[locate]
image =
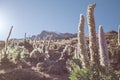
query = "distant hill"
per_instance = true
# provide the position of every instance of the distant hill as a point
(55, 35)
(112, 32)
(111, 35)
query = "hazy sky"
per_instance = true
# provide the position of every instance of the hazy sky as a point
(33, 16)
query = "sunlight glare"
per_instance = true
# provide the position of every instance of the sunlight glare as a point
(2, 26)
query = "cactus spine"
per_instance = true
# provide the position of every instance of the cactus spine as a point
(92, 35)
(104, 57)
(81, 43)
(119, 35)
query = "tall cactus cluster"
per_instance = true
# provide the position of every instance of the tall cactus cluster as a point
(98, 54)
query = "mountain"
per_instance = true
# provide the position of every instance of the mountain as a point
(55, 35)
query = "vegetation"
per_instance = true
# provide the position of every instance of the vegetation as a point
(96, 58)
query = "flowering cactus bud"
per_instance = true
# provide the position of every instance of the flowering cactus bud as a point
(93, 46)
(104, 57)
(81, 43)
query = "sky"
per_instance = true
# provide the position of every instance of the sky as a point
(34, 16)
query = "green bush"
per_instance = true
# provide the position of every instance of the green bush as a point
(79, 74)
(93, 73)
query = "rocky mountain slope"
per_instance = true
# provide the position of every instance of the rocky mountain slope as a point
(55, 35)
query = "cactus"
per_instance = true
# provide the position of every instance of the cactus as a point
(76, 53)
(25, 37)
(35, 42)
(92, 36)
(50, 37)
(104, 57)
(47, 47)
(65, 50)
(119, 35)
(81, 43)
(6, 42)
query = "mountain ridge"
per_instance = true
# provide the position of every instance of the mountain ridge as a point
(55, 35)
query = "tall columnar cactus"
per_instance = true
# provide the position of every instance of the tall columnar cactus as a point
(6, 41)
(50, 37)
(92, 35)
(81, 43)
(103, 52)
(25, 37)
(35, 42)
(119, 34)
